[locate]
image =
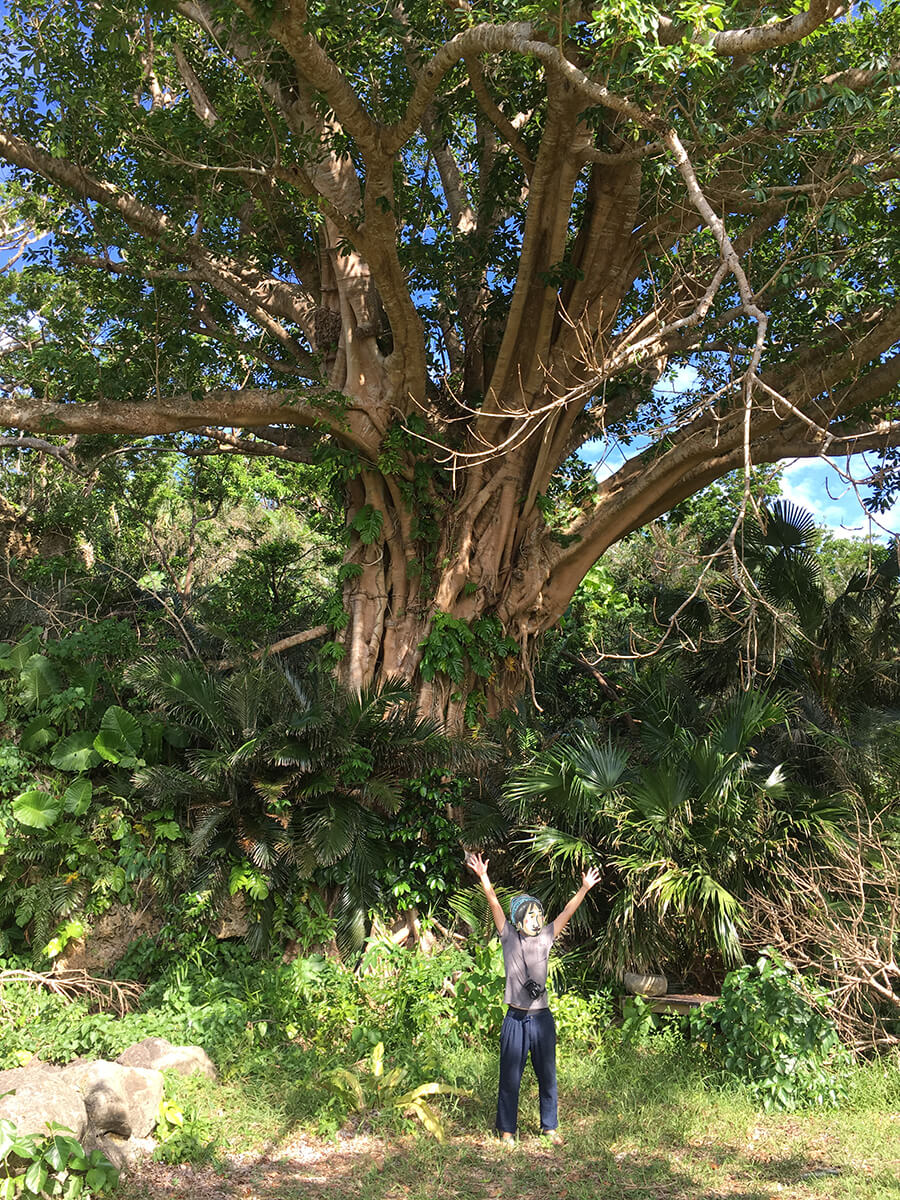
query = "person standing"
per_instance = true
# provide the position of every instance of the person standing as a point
(528, 1027)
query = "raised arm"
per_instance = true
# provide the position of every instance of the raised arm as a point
(480, 865)
(588, 879)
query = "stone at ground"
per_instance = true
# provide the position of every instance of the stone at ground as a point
(108, 1106)
(158, 1054)
(41, 1095)
(124, 1153)
(120, 1100)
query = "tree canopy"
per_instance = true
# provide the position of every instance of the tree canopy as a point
(440, 247)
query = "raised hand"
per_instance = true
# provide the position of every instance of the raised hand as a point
(477, 864)
(590, 877)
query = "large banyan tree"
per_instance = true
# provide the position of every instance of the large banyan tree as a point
(441, 246)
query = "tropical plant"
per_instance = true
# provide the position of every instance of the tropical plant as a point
(771, 1029)
(372, 1090)
(442, 249)
(72, 843)
(683, 825)
(33, 1167)
(781, 623)
(282, 786)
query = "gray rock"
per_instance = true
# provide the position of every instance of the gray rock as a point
(160, 1055)
(120, 1100)
(41, 1096)
(124, 1153)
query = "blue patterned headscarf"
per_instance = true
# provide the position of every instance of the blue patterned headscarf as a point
(519, 906)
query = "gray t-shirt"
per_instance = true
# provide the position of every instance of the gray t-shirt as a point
(525, 958)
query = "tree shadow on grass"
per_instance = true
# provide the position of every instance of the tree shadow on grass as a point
(472, 1167)
(631, 1132)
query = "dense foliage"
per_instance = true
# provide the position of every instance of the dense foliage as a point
(435, 252)
(771, 1029)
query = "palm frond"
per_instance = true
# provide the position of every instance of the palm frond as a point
(470, 906)
(744, 717)
(660, 795)
(331, 829)
(560, 849)
(187, 691)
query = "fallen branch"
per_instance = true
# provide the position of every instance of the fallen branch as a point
(288, 643)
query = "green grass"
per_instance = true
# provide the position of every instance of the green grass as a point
(640, 1123)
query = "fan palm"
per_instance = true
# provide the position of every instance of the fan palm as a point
(686, 826)
(840, 654)
(296, 786)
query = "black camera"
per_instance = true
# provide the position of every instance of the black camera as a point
(533, 988)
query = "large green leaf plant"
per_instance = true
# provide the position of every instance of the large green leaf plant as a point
(72, 839)
(288, 785)
(682, 824)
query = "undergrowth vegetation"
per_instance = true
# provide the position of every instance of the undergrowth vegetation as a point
(403, 1048)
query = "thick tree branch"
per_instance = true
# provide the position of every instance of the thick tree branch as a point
(315, 66)
(61, 453)
(229, 443)
(296, 639)
(496, 116)
(753, 39)
(254, 291)
(241, 408)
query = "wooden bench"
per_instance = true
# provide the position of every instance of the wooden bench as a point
(672, 1002)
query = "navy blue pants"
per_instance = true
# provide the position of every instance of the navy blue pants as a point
(523, 1033)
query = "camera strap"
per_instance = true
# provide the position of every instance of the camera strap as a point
(526, 973)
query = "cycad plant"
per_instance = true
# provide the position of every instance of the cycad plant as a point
(682, 827)
(284, 786)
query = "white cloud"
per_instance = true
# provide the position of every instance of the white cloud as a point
(816, 486)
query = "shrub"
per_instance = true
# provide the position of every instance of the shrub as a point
(582, 1020)
(32, 1167)
(770, 1030)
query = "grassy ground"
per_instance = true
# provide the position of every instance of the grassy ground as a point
(641, 1124)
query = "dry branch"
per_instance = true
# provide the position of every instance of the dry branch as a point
(839, 918)
(104, 995)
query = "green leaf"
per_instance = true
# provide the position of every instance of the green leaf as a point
(17, 656)
(367, 523)
(38, 679)
(57, 1153)
(37, 734)
(7, 1138)
(120, 735)
(75, 752)
(99, 1177)
(36, 809)
(74, 1188)
(36, 1177)
(347, 1085)
(77, 797)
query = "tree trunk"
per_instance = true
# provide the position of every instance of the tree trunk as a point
(445, 591)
